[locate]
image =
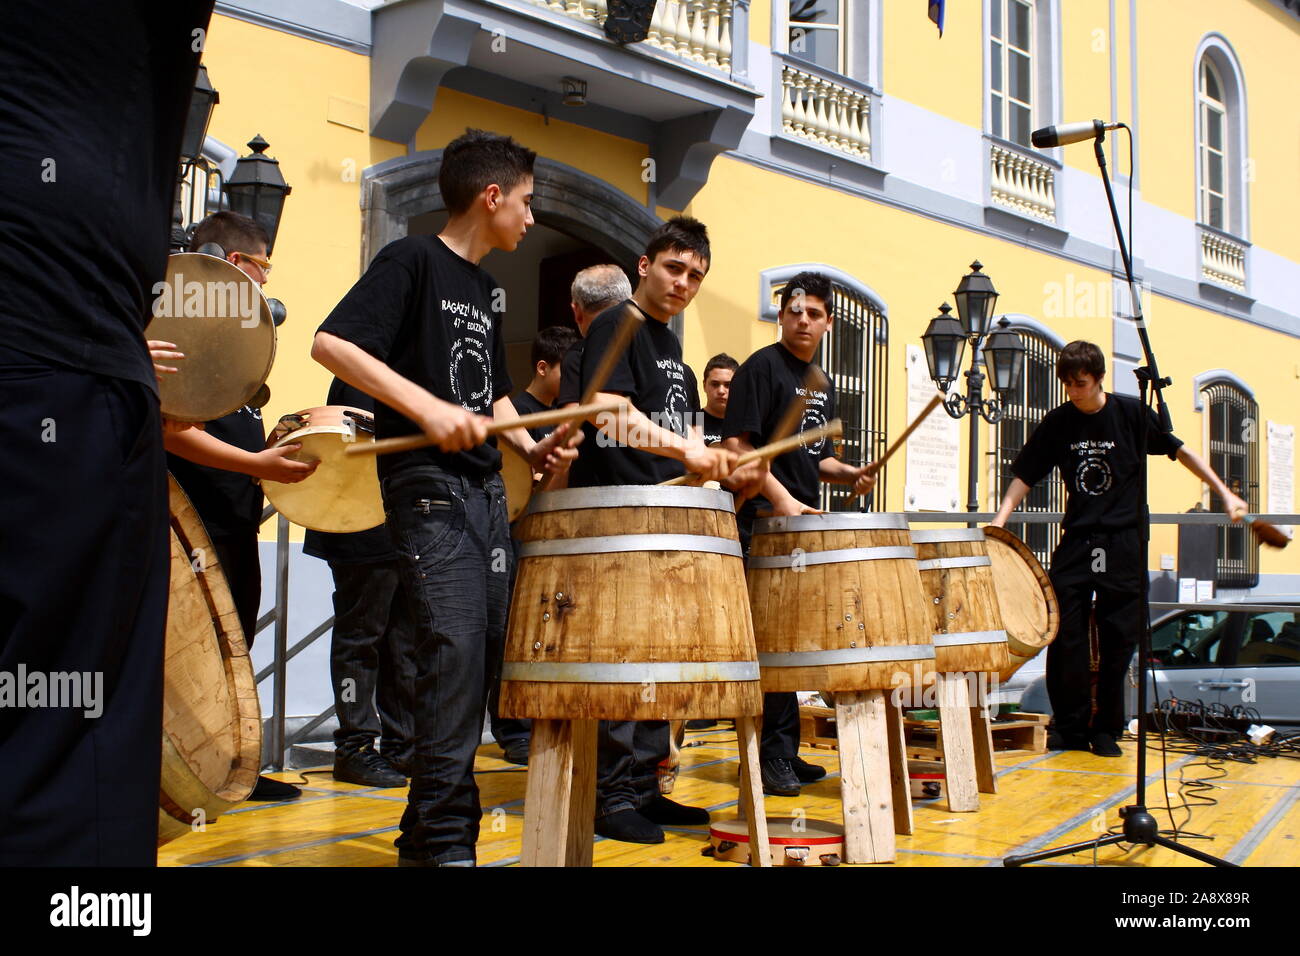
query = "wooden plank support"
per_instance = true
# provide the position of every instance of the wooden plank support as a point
(955, 739)
(900, 782)
(751, 792)
(986, 774)
(560, 800)
(865, 788)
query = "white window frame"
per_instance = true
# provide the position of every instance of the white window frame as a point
(1215, 48)
(1001, 114)
(1207, 107)
(861, 46)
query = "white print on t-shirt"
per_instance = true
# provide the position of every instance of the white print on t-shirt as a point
(814, 417)
(677, 404)
(470, 370)
(1092, 476)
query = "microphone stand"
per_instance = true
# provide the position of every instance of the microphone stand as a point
(1140, 827)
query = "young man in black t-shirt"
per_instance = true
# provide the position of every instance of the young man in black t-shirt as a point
(650, 444)
(1094, 439)
(372, 645)
(717, 388)
(763, 388)
(218, 466)
(421, 332)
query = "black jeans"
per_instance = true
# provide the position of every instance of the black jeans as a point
(1109, 567)
(454, 555)
(506, 730)
(372, 660)
(84, 573)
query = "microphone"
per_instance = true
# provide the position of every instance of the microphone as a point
(1067, 133)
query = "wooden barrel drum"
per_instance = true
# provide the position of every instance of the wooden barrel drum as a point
(957, 576)
(212, 723)
(837, 603)
(630, 604)
(1030, 613)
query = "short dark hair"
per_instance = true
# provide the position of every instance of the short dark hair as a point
(231, 231)
(721, 360)
(552, 342)
(680, 234)
(810, 283)
(474, 161)
(1080, 356)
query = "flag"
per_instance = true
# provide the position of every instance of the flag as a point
(936, 14)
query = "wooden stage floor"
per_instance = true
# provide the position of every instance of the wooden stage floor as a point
(1044, 800)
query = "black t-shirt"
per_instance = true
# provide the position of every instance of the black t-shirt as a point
(712, 428)
(651, 374)
(428, 314)
(93, 100)
(571, 375)
(360, 547)
(229, 502)
(1098, 458)
(761, 391)
(527, 404)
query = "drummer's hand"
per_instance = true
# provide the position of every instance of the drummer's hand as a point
(790, 506)
(159, 351)
(454, 428)
(274, 464)
(710, 462)
(864, 480)
(747, 480)
(1235, 507)
(549, 456)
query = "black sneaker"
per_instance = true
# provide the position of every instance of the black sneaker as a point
(516, 752)
(806, 772)
(778, 778)
(700, 724)
(271, 790)
(628, 826)
(1103, 745)
(402, 766)
(367, 768)
(666, 812)
(1059, 741)
(406, 858)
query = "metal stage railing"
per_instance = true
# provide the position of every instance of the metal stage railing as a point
(278, 745)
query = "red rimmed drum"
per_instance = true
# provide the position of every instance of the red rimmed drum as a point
(837, 603)
(630, 604)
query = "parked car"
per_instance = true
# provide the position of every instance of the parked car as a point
(1218, 656)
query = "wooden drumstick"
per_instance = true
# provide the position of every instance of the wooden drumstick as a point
(627, 328)
(832, 429)
(552, 416)
(934, 403)
(814, 380)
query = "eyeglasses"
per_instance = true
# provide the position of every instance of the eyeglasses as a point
(261, 263)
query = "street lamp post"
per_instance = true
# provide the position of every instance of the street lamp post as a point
(1003, 354)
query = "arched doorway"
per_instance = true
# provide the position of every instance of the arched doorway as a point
(581, 220)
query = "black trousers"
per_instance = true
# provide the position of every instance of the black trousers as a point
(780, 724)
(84, 565)
(628, 753)
(372, 660)
(1107, 569)
(242, 566)
(453, 544)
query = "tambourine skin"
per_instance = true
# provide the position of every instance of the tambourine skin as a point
(342, 494)
(218, 317)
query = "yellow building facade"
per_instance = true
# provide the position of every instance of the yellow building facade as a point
(846, 135)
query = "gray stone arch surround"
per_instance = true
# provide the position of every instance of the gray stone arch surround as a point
(564, 198)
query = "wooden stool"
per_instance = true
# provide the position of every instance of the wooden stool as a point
(560, 802)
